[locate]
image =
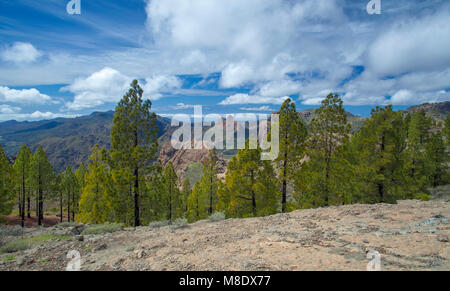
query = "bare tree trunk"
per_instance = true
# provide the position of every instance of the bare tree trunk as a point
(136, 197)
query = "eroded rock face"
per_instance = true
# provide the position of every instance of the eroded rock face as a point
(182, 158)
(411, 235)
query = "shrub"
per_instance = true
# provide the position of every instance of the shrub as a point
(15, 246)
(10, 231)
(158, 224)
(180, 221)
(67, 224)
(422, 196)
(102, 228)
(217, 216)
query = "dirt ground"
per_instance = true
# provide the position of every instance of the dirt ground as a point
(411, 235)
(32, 221)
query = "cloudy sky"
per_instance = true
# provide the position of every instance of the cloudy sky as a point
(228, 55)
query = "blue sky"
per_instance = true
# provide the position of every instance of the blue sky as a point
(229, 56)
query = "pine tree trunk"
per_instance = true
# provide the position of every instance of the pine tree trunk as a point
(284, 190)
(61, 207)
(40, 216)
(23, 200)
(29, 205)
(68, 206)
(136, 197)
(253, 197)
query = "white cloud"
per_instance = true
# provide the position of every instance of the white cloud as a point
(252, 99)
(181, 106)
(20, 52)
(261, 108)
(109, 85)
(7, 109)
(37, 115)
(414, 45)
(26, 96)
(156, 85)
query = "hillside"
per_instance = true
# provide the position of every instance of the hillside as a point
(68, 141)
(438, 111)
(411, 235)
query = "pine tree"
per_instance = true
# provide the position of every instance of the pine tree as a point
(446, 131)
(6, 201)
(197, 204)
(185, 192)
(329, 130)
(293, 134)
(95, 205)
(42, 176)
(172, 193)
(250, 188)
(381, 145)
(134, 138)
(415, 158)
(70, 186)
(22, 175)
(209, 179)
(437, 160)
(60, 192)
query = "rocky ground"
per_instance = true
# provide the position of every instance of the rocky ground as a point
(412, 235)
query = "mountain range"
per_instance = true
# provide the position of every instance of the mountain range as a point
(68, 141)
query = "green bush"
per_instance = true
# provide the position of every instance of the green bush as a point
(217, 216)
(102, 228)
(422, 196)
(15, 246)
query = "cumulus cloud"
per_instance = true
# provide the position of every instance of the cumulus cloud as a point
(156, 85)
(20, 52)
(252, 99)
(25, 96)
(109, 85)
(7, 109)
(106, 85)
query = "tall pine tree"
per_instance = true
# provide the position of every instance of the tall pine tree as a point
(134, 139)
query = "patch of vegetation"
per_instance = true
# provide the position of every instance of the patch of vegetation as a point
(422, 196)
(217, 216)
(180, 222)
(23, 244)
(103, 228)
(194, 172)
(9, 258)
(67, 224)
(10, 231)
(47, 237)
(158, 224)
(15, 246)
(130, 249)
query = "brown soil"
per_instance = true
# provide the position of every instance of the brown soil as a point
(33, 221)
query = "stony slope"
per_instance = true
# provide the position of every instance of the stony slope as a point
(411, 235)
